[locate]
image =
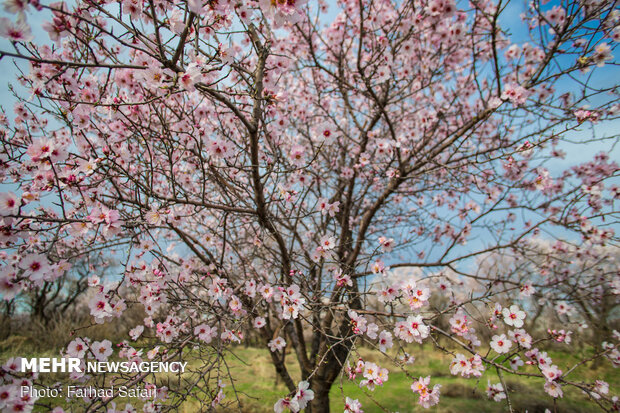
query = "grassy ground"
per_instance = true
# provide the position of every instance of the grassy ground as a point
(258, 388)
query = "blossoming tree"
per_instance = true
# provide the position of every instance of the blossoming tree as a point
(265, 165)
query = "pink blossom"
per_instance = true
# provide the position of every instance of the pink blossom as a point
(277, 344)
(411, 329)
(283, 12)
(385, 340)
(521, 337)
(553, 389)
(9, 288)
(602, 54)
(154, 216)
(427, 396)
(259, 322)
(286, 403)
(99, 306)
(205, 332)
(515, 363)
(77, 348)
(551, 372)
(515, 93)
(496, 391)
(36, 266)
(501, 344)
(15, 6)
(352, 406)
(513, 316)
(16, 32)
(387, 244)
(467, 367)
(378, 267)
(304, 394)
(136, 332)
(9, 203)
(101, 349)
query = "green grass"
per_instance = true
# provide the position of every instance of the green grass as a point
(257, 387)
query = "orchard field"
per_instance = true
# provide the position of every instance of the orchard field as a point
(256, 384)
(295, 197)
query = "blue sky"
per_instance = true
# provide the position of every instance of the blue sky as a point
(510, 20)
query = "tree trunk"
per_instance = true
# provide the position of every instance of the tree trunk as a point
(320, 403)
(332, 364)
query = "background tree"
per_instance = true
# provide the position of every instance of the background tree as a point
(252, 167)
